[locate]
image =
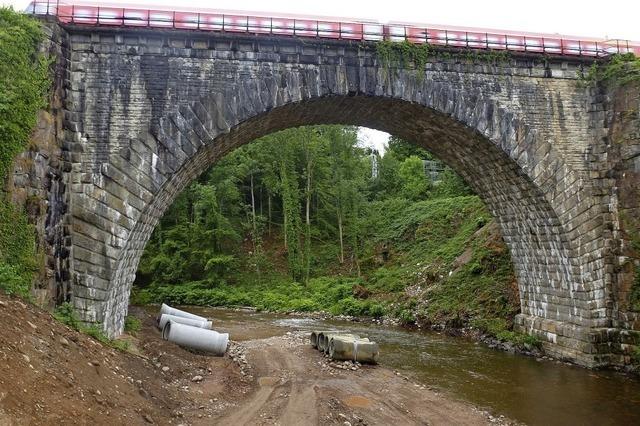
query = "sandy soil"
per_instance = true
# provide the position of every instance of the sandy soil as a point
(50, 374)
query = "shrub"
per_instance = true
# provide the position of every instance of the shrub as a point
(132, 324)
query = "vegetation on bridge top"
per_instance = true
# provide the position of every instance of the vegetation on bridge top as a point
(405, 53)
(617, 70)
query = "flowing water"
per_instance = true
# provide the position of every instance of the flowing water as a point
(519, 387)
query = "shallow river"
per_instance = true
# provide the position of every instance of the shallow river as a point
(519, 387)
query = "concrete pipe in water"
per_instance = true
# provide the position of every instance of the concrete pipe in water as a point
(164, 318)
(166, 309)
(196, 338)
(360, 350)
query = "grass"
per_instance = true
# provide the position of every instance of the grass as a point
(132, 324)
(500, 329)
(277, 294)
(66, 314)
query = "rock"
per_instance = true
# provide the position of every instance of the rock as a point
(32, 325)
(196, 379)
(95, 363)
(165, 369)
(26, 358)
(63, 341)
(147, 418)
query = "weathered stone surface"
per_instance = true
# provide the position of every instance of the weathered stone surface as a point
(144, 116)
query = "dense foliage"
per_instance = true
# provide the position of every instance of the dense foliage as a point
(23, 86)
(307, 220)
(619, 69)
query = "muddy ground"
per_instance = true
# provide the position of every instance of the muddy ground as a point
(51, 374)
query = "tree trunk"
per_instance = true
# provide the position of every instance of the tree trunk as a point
(283, 181)
(253, 209)
(307, 239)
(269, 212)
(340, 236)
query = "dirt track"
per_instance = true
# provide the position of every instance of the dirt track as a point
(296, 386)
(50, 374)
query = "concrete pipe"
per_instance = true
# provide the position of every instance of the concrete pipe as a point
(360, 350)
(193, 322)
(346, 336)
(166, 309)
(322, 340)
(325, 337)
(315, 338)
(195, 338)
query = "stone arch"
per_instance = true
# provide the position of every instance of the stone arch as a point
(521, 142)
(529, 223)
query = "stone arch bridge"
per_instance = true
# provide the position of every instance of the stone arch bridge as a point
(140, 113)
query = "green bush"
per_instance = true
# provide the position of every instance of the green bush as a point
(24, 82)
(66, 314)
(406, 317)
(12, 281)
(132, 324)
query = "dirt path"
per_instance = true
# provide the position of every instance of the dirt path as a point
(296, 385)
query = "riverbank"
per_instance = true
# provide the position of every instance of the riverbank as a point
(518, 344)
(51, 374)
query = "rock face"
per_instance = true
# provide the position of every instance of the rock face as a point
(147, 111)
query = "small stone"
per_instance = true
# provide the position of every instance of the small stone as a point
(165, 369)
(64, 342)
(147, 418)
(26, 358)
(95, 363)
(32, 325)
(196, 379)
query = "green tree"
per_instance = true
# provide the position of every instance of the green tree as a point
(415, 184)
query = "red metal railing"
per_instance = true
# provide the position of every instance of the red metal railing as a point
(87, 14)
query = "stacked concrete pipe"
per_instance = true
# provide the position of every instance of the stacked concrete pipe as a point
(166, 309)
(315, 337)
(196, 338)
(164, 318)
(342, 348)
(326, 340)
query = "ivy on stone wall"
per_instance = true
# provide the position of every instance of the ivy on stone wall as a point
(616, 70)
(24, 82)
(403, 53)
